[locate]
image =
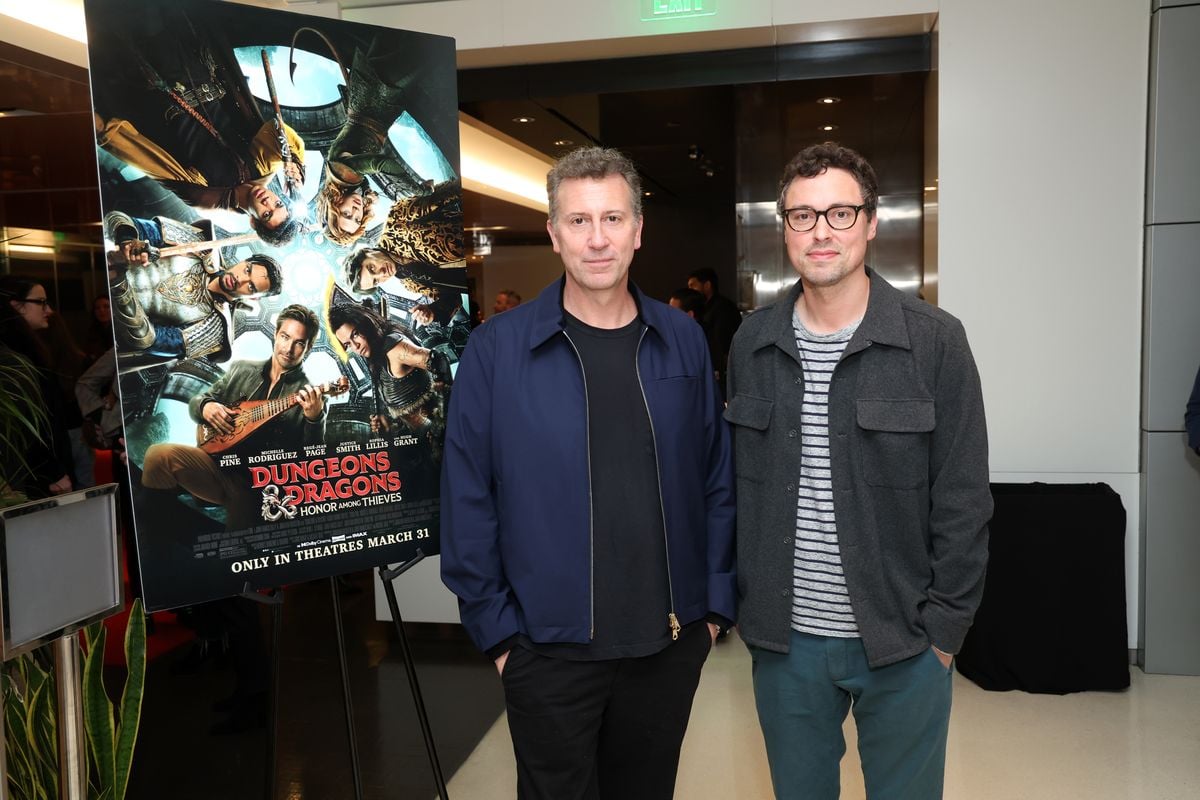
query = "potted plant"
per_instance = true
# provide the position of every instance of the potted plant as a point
(30, 718)
(28, 683)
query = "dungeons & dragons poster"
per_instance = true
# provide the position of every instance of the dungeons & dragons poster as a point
(283, 234)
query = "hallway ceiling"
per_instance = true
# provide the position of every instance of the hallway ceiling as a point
(663, 129)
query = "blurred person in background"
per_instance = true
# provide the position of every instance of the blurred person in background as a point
(506, 300)
(98, 338)
(24, 310)
(720, 319)
(689, 301)
(66, 362)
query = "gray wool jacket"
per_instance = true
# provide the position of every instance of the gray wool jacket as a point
(908, 449)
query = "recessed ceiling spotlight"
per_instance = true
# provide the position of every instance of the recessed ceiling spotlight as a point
(828, 128)
(828, 101)
(931, 188)
(524, 119)
(647, 194)
(563, 142)
(694, 152)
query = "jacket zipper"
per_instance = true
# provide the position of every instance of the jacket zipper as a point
(672, 619)
(591, 510)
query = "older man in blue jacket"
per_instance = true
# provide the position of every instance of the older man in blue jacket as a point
(587, 505)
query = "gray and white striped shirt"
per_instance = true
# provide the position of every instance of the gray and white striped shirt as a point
(820, 602)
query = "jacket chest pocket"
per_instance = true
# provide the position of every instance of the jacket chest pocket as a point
(750, 417)
(894, 435)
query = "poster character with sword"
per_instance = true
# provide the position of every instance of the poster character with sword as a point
(179, 300)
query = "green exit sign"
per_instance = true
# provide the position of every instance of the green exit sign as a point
(677, 9)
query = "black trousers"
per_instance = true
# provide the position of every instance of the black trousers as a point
(602, 730)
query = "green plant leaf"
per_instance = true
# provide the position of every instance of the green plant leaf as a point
(22, 417)
(31, 746)
(131, 697)
(97, 709)
(16, 748)
(41, 735)
(20, 770)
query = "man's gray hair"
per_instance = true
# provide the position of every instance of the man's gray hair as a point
(596, 163)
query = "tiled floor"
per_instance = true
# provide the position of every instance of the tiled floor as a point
(1142, 744)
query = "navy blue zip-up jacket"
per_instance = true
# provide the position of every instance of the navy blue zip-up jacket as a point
(516, 508)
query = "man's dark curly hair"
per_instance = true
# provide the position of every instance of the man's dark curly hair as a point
(815, 159)
(285, 232)
(274, 273)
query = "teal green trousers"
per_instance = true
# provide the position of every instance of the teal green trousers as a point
(901, 711)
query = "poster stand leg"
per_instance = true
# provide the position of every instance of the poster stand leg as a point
(387, 576)
(341, 646)
(72, 744)
(274, 599)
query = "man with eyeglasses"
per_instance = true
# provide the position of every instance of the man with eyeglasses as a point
(863, 501)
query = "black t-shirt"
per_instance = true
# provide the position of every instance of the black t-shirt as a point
(630, 590)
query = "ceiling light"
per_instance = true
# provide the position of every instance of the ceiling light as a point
(499, 166)
(931, 188)
(828, 101)
(828, 128)
(524, 119)
(481, 244)
(647, 194)
(563, 142)
(61, 17)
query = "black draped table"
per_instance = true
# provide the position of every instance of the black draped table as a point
(1052, 619)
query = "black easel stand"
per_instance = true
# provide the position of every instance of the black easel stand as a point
(341, 644)
(387, 576)
(274, 599)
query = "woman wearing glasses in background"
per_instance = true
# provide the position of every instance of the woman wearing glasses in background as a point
(44, 465)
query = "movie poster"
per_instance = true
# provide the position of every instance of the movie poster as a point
(283, 233)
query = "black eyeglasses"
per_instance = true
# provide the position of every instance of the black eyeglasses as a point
(41, 301)
(840, 218)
